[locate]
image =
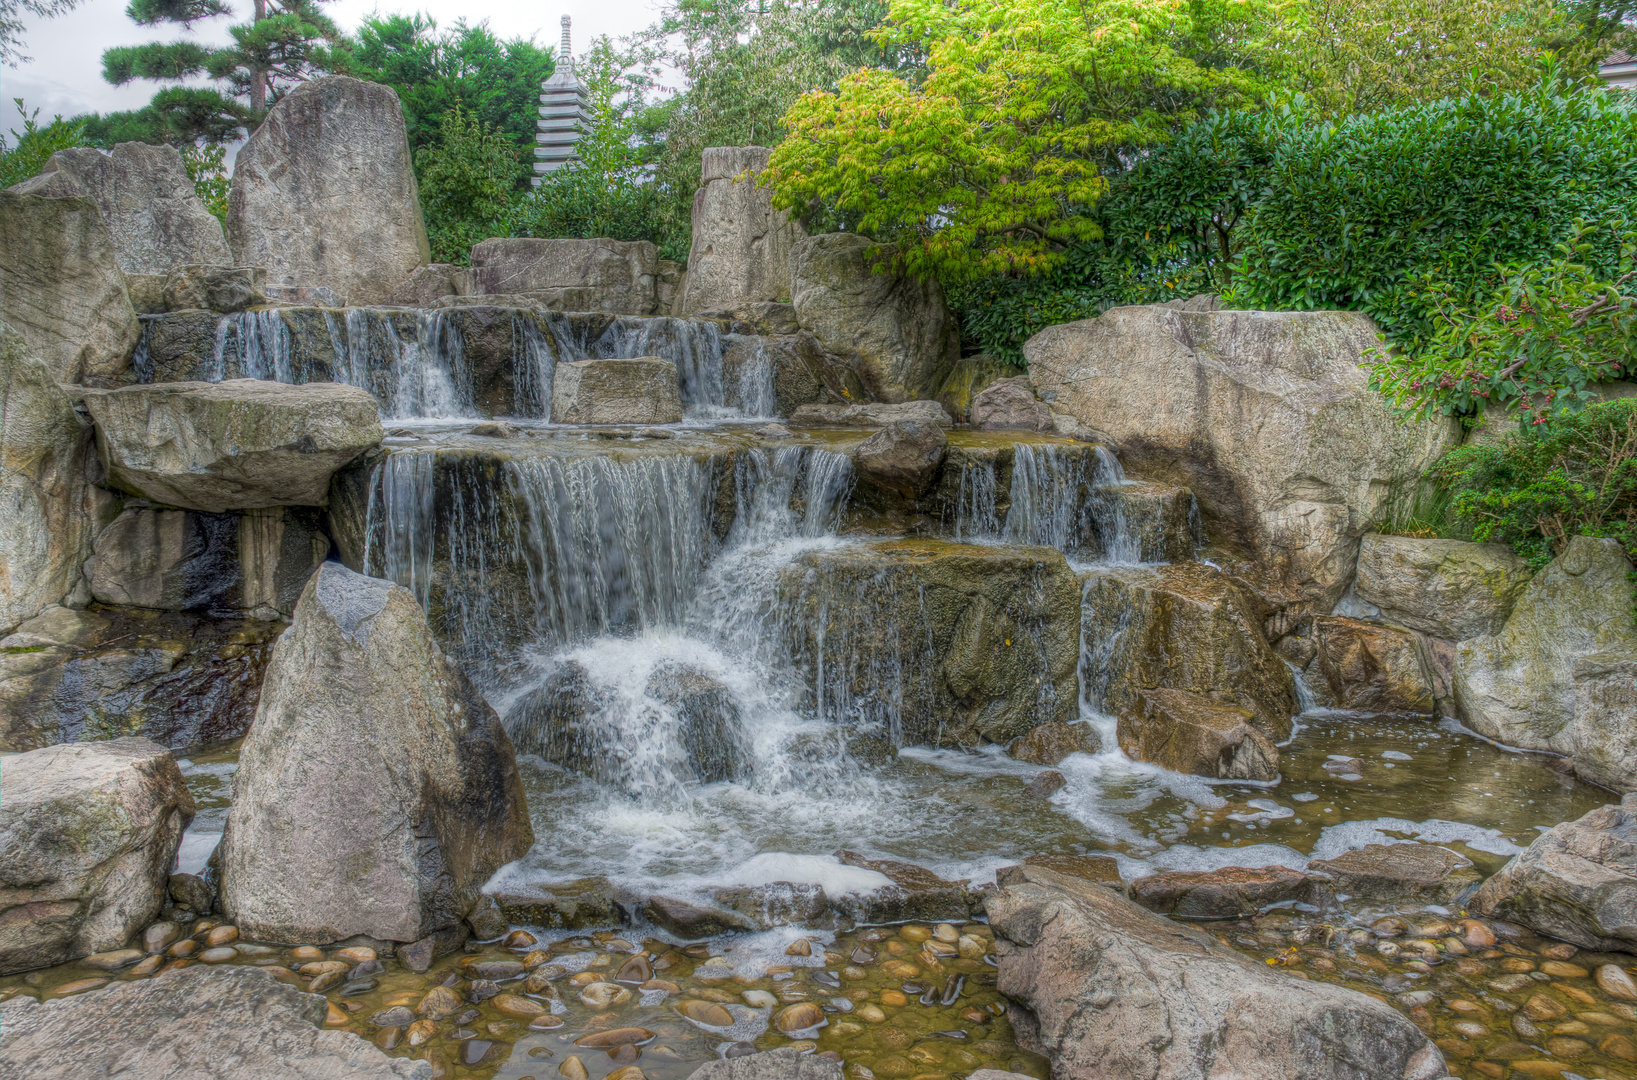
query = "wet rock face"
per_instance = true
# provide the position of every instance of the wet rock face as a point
(1107, 989)
(741, 245)
(214, 287)
(894, 330)
(1423, 873)
(614, 276)
(937, 642)
(870, 414)
(643, 390)
(1010, 404)
(357, 230)
(790, 365)
(377, 791)
(62, 291)
(47, 507)
(899, 463)
(88, 833)
(1189, 733)
(693, 921)
(1450, 589)
(1265, 416)
(236, 445)
(186, 681)
(1183, 627)
(1577, 882)
(1371, 668)
(180, 560)
(711, 729)
(183, 1025)
(153, 213)
(1517, 686)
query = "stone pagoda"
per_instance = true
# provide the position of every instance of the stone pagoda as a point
(563, 114)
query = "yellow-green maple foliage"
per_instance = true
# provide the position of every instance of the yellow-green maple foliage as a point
(979, 167)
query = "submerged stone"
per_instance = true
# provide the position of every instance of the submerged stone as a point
(1189, 733)
(1424, 873)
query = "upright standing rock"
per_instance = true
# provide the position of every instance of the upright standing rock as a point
(153, 213)
(46, 525)
(324, 195)
(741, 245)
(62, 290)
(88, 834)
(377, 791)
(896, 331)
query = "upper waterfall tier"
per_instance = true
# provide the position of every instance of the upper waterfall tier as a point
(464, 362)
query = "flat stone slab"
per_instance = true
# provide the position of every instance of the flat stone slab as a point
(243, 444)
(226, 1023)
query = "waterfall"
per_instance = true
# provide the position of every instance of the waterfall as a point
(757, 396)
(253, 344)
(534, 366)
(976, 492)
(693, 345)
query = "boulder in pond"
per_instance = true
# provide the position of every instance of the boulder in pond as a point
(615, 276)
(377, 791)
(741, 245)
(1577, 881)
(898, 463)
(1010, 405)
(155, 217)
(242, 444)
(324, 192)
(1189, 733)
(1053, 741)
(1105, 988)
(1184, 627)
(643, 390)
(1266, 416)
(88, 834)
(48, 509)
(1231, 892)
(1517, 686)
(1605, 739)
(1418, 873)
(893, 329)
(693, 921)
(1450, 589)
(1367, 667)
(228, 1022)
(62, 291)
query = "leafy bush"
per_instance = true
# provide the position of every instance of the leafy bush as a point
(1361, 214)
(466, 182)
(1534, 490)
(26, 153)
(207, 168)
(1532, 347)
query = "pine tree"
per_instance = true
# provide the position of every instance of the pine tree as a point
(287, 42)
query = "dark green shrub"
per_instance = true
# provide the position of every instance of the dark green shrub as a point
(1535, 489)
(466, 182)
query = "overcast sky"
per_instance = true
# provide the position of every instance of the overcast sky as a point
(65, 72)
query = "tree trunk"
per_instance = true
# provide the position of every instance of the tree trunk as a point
(258, 77)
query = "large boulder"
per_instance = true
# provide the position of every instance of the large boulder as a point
(1106, 989)
(895, 330)
(186, 681)
(1517, 686)
(1450, 589)
(181, 560)
(641, 390)
(230, 1022)
(62, 290)
(741, 245)
(46, 505)
(324, 192)
(1188, 733)
(242, 444)
(1604, 737)
(156, 218)
(899, 462)
(1266, 416)
(88, 834)
(1577, 882)
(1008, 405)
(377, 791)
(1367, 667)
(1183, 627)
(937, 642)
(616, 276)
